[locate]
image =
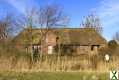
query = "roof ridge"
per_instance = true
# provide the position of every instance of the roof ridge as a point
(61, 28)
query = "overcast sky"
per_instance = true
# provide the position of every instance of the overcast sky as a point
(108, 11)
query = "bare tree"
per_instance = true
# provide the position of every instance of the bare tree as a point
(116, 36)
(27, 24)
(6, 27)
(2, 31)
(46, 18)
(30, 24)
(92, 21)
(50, 16)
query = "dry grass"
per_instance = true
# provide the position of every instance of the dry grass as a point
(51, 63)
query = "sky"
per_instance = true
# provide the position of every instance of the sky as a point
(107, 10)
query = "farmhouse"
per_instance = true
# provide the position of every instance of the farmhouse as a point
(73, 41)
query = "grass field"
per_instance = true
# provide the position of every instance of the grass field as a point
(53, 76)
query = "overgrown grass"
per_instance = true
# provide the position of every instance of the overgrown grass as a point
(53, 76)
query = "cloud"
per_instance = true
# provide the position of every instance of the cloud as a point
(108, 11)
(18, 4)
(22, 5)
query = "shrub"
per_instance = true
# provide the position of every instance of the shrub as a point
(112, 44)
(94, 59)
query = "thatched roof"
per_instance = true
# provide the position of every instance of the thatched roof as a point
(85, 36)
(27, 37)
(81, 36)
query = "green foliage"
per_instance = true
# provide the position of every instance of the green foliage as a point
(113, 47)
(112, 44)
(112, 50)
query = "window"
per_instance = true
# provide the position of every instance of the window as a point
(50, 49)
(57, 38)
(92, 48)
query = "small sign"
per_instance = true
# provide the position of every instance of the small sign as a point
(107, 57)
(114, 75)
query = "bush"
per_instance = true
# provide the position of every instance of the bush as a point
(112, 44)
(112, 49)
(94, 59)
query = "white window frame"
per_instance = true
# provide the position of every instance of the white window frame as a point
(50, 49)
